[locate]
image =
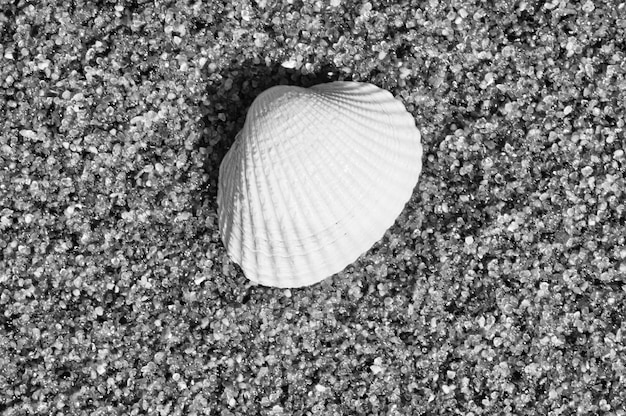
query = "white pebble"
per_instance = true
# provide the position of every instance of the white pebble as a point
(587, 171)
(290, 64)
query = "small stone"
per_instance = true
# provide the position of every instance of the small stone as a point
(69, 211)
(377, 366)
(587, 171)
(448, 389)
(588, 7)
(290, 64)
(245, 14)
(376, 369)
(404, 72)
(29, 134)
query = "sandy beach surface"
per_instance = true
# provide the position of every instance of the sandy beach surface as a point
(500, 290)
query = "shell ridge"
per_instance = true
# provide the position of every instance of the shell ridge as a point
(279, 198)
(364, 167)
(227, 213)
(346, 220)
(229, 177)
(313, 176)
(265, 243)
(382, 130)
(245, 216)
(225, 216)
(314, 230)
(369, 96)
(344, 86)
(366, 170)
(409, 122)
(356, 137)
(320, 175)
(362, 95)
(297, 189)
(330, 187)
(301, 163)
(341, 182)
(405, 132)
(345, 208)
(267, 168)
(263, 236)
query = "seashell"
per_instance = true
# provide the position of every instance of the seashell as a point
(315, 177)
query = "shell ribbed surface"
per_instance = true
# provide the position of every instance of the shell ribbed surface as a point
(315, 177)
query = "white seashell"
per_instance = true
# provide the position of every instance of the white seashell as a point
(315, 177)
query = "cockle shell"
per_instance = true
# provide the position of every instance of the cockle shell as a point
(315, 177)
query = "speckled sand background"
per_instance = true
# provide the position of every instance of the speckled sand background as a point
(499, 290)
